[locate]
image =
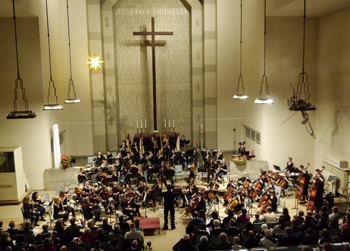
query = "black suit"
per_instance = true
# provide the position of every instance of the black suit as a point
(169, 200)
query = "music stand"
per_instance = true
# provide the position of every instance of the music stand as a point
(277, 168)
(332, 179)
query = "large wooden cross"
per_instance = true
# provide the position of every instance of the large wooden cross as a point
(154, 33)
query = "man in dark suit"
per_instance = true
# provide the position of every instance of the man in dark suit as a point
(289, 239)
(169, 201)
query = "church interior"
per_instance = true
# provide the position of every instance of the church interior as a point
(79, 77)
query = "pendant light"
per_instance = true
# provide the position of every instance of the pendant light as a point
(300, 100)
(71, 86)
(240, 85)
(50, 106)
(264, 97)
(26, 114)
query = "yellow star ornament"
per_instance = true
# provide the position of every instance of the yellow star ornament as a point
(95, 62)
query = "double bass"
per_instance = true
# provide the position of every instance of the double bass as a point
(302, 183)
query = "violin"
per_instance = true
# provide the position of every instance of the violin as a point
(194, 170)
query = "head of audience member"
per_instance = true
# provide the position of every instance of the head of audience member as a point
(45, 227)
(267, 232)
(251, 234)
(232, 223)
(215, 215)
(132, 226)
(263, 227)
(216, 223)
(282, 221)
(96, 244)
(186, 237)
(230, 213)
(244, 211)
(203, 240)
(285, 211)
(134, 244)
(195, 214)
(301, 213)
(236, 240)
(116, 227)
(5, 237)
(335, 209)
(223, 237)
(87, 230)
(257, 216)
(90, 223)
(326, 233)
(249, 226)
(327, 247)
(289, 231)
(269, 210)
(12, 225)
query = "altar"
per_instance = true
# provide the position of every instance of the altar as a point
(253, 167)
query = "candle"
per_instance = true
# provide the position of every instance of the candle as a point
(137, 124)
(165, 123)
(169, 123)
(173, 123)
(141, 124)
(145, 123)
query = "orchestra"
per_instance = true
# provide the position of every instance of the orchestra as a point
(131, 179)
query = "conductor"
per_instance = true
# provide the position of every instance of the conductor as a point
(169, 200)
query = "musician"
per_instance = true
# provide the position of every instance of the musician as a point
(126, 208)
(213, 186)
(99, 159)
(211, 168)
(141, 160)
(166, 149)
(319, 185)
(173, 158)
(170, 172)
(194, 156)
(222, 170)
(206, 155)
(141, 190)
(116, 191)
(202, 204)
(140, 175)
(306, 175)
(132, 203)
(30, 212)
(150, 157)
(38, 205)
(63, 198)
(106, 194)
(182, 142)
(219, 155)
(169, 201)
(156, 191)
(268, 176)
(259, 182)
(110, 158)
(126, 173)
(81, 175)
(230, 184)
(241, 149)
(58, 211)
(87, 189)
(124, 149)
(189, 192)
(290, 165)
(155, 146)
(183, 159)
(135, 149)
(193, 171)
(244, 179)
(283, 182)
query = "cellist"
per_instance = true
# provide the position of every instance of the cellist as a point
(230, 188)
(242, 181)
(213, 186)
(189, 192)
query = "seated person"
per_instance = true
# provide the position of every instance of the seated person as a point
(243, 218)
(269, 216)
(233, 230)
(267, 241)
(223, 244)
(289, 239)
(204, 244)
(217, 230)
(194, 223)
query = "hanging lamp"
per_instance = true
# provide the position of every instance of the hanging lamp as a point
(71, 86)
(264, 95)
(300, 100)
(50, 106)
(15, 114)
(240, 85)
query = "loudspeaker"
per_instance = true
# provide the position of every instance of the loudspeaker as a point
(343, 164)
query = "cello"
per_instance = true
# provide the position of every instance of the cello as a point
(302, 183)
(212, 194)
(229, 193)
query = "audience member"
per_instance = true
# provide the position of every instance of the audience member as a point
(252, 241)
(347, 223)
(87, 236)
(116, 235)
(12, 229)
(243, 218)
(133, 233)
(281, 227)
(217, 230)
(230, 215)
(105, 226)
(326, 237)
(214, 216)
(310, 237)
(223, 244)
(236, 243)
(204, 244)
(233, 230)
(286, 215)
(268, 241)
(269, 216)
(194, 224)
(289, 239)
(257, 219)
(184, 244)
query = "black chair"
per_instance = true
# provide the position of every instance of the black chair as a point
(25, 217)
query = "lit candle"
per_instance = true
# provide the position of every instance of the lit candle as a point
(173, 123)
(141, 124)
(145, 123)
(165, 123)
(169, 123)
(137, 124)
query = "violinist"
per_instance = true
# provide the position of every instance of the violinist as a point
(81, 175)
(193, 171)
(319, 185)
(38, 205)
(245, 180)
(219, 155)
(183, 159)
(135, 149)
(151, 170)
(202, 204)
(173, 158)
(99, 159)
(63, 198)
(141, 160)
(222, 170)
(206, 155)
(211, 168)
(141, 190)
(106, 196)
(126, 173)
(306, 176)
(132, 203)
(87, 189)
(161, 174)
(194, 156)
(150, 157)
(116, 191)
(170, 172)
(30, 212)
(190, 191)
(58, 211)
(77, 196)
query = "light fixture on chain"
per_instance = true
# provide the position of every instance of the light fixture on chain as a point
(300, 100)
(71, 87)
(50, 106)
(264, 97)
(15, 114)
(240, 85)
